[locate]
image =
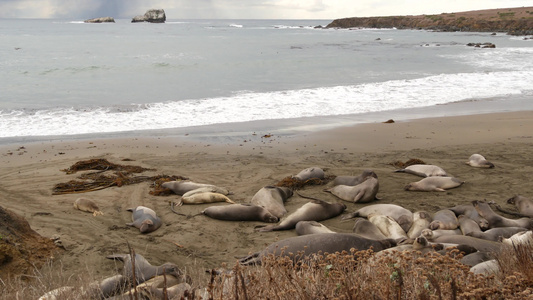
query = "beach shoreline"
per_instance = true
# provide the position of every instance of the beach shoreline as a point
(30, 170)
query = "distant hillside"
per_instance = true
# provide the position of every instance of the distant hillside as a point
(516, 21)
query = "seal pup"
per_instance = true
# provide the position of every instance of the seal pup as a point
(310, 173)
(107, 287)
(475, 258)
(421, 221)
(444, 219)
(354, 180)
(174, 292)
(240, 212)
(467, 225)
(304, 246)
(145, 219)
(87, 205)
(202, 198)
(403, 216)
(207, 189)
(523, 204)
(367, 229)
(434, 184)
(143, 269)
(470, 211)
(520, 238)
(423, 170)
(478, 161)
(181, 187)
(486, 268)
(311, 227)
(315, 210)
(361, 193)
(388, 226)
(272, 198)
(495, 220)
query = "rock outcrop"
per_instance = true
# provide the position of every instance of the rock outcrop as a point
(101, 20)
(151, 16)
(516, 21)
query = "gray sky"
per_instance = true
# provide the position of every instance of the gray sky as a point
(243, 9)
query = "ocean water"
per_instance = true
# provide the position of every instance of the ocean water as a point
(63, 78)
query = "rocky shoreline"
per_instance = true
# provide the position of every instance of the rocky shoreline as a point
(514, 21)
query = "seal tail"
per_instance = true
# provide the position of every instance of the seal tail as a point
(173, 210)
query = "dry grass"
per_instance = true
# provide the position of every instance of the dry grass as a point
(360, 275)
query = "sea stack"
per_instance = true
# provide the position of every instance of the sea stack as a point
(101, 20)
(151, 16)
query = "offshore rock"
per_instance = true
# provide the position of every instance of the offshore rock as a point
(151, 16)
(101, 20)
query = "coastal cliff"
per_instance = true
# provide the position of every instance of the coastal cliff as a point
(516, 21)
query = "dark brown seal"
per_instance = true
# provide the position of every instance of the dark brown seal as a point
(240, 212)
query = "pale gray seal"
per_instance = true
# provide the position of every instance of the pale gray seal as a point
(444, 219)
(388, 226)
(479, 244)
(145, 219)
(521, 238)
(143, 269)
(424, 170)
(497, 234)
(403, 216)
(523, 204)
(488, 267)
(87, 205)
(316, 210)
(495, 220)
(203, 198)
(305, 246)
(174, 292)
(467, 225)
(361, 193)
(272, 198)
(311, 227)
(433, 234)
(478, 161)
(181, 187)
(107, 287)
(434, 184)
(207, 189)
(421, 221)
(470, 211)
(310, 173)
(367, 229)
(354, 180)
(240, 212)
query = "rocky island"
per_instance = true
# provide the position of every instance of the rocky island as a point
(151, 16)
(515, 21)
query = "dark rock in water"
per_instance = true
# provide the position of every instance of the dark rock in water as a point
(481, 45)
(151, 16)
(100, 20)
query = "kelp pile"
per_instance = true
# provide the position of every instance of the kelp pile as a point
(296, 184)
(107, 175)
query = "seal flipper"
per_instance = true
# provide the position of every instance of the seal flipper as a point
(359, 195)
(350, 216)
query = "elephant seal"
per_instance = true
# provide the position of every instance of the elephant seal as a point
(174, 292)
(181, 187)
(475, 258)
(202, 198)
(87, 205)
(497, 234)
(424, 170)
(495, 220)
(361, 193)
(107, 287)
(444, 219)
(143, 269)
(353, 180)
(240, 212)
(478, 161)
(479, 244)
(467, 225)
(145, 219)
(311, 227)
(272, 198)
(315, 210)
(403, 216)
(421, 221)
(367, 229)
(520, 238)
(486, 268)
(470, 211)
(433, 234)
(388, 226)
(310, 173)
(434, 184)
(305, 246)
(523, 204)
(207, 189)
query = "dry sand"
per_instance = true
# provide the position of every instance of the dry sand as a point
(29, 172)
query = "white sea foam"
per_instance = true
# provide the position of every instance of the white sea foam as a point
(249, 106)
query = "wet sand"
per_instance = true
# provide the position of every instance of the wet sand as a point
(30, 171)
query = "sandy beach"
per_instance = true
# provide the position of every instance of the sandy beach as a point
(30, 171)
